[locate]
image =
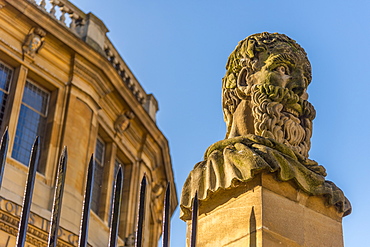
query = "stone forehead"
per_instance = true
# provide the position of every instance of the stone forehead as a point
(270, 42)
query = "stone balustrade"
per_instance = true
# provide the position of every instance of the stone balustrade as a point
(77, 21)
(63, 11)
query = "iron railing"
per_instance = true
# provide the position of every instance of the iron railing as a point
(58, 196)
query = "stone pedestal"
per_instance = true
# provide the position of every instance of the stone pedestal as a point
(266, 212)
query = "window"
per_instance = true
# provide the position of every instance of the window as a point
(105, 171)
(31, 121)
(98, 175)
(5, 79)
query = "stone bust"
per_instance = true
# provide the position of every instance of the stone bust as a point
(264, 91)
(269, 124)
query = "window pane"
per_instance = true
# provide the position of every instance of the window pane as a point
(30, 124)
(36, 98)
(98, 175)
(99, 152)
(5, 79)
(3, 100)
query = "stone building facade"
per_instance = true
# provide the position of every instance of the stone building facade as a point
(62, 79)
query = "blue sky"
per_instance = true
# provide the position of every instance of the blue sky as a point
(178, 51)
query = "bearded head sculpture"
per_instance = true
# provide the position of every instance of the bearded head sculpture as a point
(264, 91)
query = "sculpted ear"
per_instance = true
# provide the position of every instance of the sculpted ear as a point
(242, 87)
(242, 78)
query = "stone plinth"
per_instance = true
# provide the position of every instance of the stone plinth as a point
(266, 212)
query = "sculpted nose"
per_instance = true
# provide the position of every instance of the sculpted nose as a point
(285, 80)
(297, 83)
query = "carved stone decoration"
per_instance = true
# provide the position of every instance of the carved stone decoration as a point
(158, 194)
(34, 42)
(2, 4)
(269, 124)
(130, 240)
(123, 121)
(158, 189)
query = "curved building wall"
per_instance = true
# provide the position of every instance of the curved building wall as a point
(69, 85)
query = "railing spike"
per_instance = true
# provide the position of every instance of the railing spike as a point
(166, 217)
(58, 196)
(117, 196)
(3, 151)
(140, 221)
(194, 221)
(82, 240)
(27, 199)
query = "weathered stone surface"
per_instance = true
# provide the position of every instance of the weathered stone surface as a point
(269, 126)
(259, 215)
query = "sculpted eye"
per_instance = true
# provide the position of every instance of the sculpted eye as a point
(282, 69)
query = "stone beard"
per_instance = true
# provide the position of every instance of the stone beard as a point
(274, 119)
